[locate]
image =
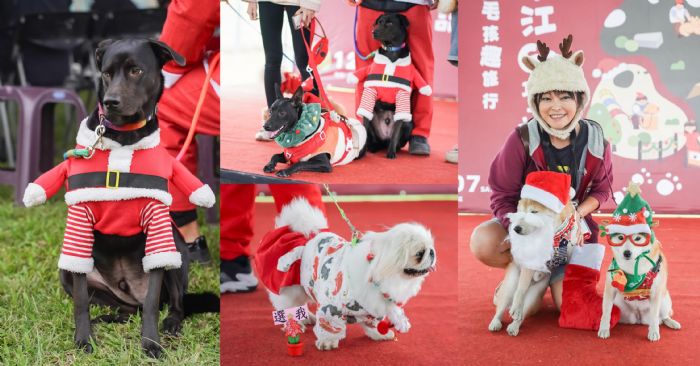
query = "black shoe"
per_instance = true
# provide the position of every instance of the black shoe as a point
(237, 276)
(199, 251)
(418, 145)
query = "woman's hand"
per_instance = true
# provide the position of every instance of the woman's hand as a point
(253, 10)
(306, 16)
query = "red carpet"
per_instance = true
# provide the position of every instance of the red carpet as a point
(248, 335)
(541, 341)
(241, 116)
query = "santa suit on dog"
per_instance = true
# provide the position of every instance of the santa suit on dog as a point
(120, 190)
(390, 82)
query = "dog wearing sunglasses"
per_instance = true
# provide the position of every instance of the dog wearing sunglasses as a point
(637, 278)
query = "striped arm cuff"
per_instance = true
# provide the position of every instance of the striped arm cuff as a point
(75, 264)
(166, 260)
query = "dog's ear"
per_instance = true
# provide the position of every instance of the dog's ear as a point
(376, 21)
(298, 96)
(164, 53)
(100, 51)
(278, 92)
(403, 20)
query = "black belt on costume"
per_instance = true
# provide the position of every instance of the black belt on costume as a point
(115, 179)
(392, 78)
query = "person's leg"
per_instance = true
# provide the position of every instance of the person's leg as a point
(301, 56)
(237, 209)
(175, 111)
(420, 40)
(365, 43)
(271, 20)
(489, 245)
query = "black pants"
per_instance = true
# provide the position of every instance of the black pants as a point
(271, 21)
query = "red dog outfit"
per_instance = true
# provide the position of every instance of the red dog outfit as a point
(390, 82)
(120, 190)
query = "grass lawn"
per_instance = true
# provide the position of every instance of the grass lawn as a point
(36, 315)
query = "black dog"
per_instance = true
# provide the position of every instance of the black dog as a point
(383, 132)
(315, 155)
(129, 90)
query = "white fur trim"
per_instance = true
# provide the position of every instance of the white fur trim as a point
(383, 60)
(301, 217)
(588, 255)
(288, 259)
(364, 113)
(86, 137)
(203, 197)
(166, 260)
(631, 229)
(116, 194)
(34, 195)
(75, 264)
(352, 79)
(547, 199)
(426, 90)
(403, 117)
(387, 84)
(120, 160)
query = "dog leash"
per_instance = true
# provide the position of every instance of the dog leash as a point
(354, 37)
(355, 233)
(198, 109)
(320, 50)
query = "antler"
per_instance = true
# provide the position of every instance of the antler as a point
(543, 50)
(565, 46)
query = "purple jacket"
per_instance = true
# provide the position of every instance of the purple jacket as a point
(513, 163)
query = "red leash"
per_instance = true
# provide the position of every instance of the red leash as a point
(317, 54)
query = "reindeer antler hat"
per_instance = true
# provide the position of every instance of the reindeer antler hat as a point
(554, 72)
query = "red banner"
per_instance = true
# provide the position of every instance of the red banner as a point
(338, 18)
(643, 77)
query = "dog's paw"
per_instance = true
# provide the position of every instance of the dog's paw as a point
(604, 333)
(671, 323)
(326, 345)
(172, 326)
(654, 334)
(269, 168)
(513, 329)
(402, 325)
(495, 325)
(151, 348)
(391, 154)
(283, 173)
(516, 312)
(84, 344)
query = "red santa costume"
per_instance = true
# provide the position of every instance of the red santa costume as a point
(390, 82)
(191, 29)
(120, 190)
(420, 37)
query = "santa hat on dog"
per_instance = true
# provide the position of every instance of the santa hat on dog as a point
(551, 189)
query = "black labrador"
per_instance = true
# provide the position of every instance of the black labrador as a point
(383, 132)
(129, 90)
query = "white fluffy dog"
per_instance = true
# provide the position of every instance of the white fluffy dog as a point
(363, 283)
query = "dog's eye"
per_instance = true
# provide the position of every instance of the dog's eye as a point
(533, 211)
(106, 75)
(282, 113)
(135, 71)
(420, 254)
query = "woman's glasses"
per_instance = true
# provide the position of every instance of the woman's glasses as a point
(638, 239)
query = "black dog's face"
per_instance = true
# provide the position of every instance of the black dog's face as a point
(390, 29)
(131, 81)
(284, 113)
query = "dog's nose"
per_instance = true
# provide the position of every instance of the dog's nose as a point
(627, 254)
(518, 229)
(111, 102)
(432, 253)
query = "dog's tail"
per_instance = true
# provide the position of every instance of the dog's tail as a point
(205, 302)
(301, 217)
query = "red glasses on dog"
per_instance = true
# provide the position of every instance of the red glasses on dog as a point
(638, 239)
